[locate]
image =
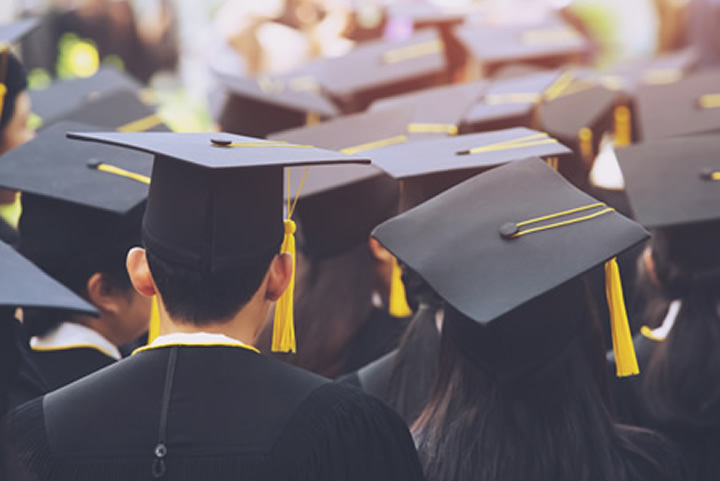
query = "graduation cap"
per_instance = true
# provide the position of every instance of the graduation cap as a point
(688, 106)
(381, 69)
(579, 115)
(509, 102)
(22, 284)
(74, 208)
(340, 205)
(509, 236)
(673, 182)
(120, 110)
(551, 44)
(266, 104)
(64, 96)
(437, 110)
(429, 167)
(13, 79)
(216, 200)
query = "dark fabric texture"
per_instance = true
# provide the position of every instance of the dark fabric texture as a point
(232, 414)
(16, 82)
(60, 368)
(380, 334)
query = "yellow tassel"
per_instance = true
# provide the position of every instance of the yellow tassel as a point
(398, 306)
(623, 129)
(3, 91)
(625, 359)
(283, 339)
(154, 329)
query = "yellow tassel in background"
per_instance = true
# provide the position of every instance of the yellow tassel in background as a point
(397, 302)
(625, 359)
(283, 339)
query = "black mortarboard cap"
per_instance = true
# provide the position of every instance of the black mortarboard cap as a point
(64, 96)
(673, 181)
(14, 31)
(260, 106)
(13, 78)
(504, 238)
(689, 106)
(509, 102)
(215, 199)
(436, 110)
(121, 110)
(429, 167)
(72, 208)
(380, 69)
(340, 205)
(22, 284)
(552, 44)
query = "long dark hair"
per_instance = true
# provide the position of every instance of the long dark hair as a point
(332, 302)
(680, 385)
(547, 424)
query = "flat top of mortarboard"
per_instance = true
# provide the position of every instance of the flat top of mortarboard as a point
(55, 167)
(22, 284)
(673, 181)
(486, 246)
(494, 43)
(437, 109)
(121, 110)
(67, 95)
(352, 134)
(512, 96)
(300, 91)
(219, 150)
(471, 151)
(688, 106)
(14, 31)
(379, 63)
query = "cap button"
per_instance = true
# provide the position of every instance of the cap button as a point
(707, 174)
(508, 230)
(220, 142)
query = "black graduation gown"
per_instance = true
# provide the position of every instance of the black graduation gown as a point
(20, 380)
(7, 234)
(63, 366)
(379, 335)
(404, 378)
(698, 445)
(231, 414)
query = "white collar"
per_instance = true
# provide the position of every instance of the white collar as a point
(662, 332)
(71, 335)
(196, 338)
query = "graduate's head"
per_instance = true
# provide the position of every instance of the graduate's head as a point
(15, 106)
(215, 241)
(79, 222)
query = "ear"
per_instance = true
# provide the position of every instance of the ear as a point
(278, 276)
(101, 294)
(139, 272)
(380, 253)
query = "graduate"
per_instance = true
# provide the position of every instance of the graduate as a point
(24, 285)
(77, 225)
(200, 402)
(521, 382)
(673, 185)
(404, 378)
(14, 114)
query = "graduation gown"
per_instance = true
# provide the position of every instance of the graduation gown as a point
(404, 378)
(207, 412)
(70, 352)
(379, 335)
(20, 379)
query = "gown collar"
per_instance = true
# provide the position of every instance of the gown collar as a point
(195, 339)
(71, 335)
(660, 333)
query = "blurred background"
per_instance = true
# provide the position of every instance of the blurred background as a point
(174, 46)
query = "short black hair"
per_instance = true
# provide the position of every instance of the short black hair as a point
(201, 298)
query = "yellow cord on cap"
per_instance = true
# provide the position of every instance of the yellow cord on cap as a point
(428, 128)
(112, 169)
(518, 143)
(398, 139)
(397, 302)
(413, 51)
(709, 101)
(625, 358)
(141, 125)
(283, 338)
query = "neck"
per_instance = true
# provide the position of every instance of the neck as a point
(101, 325)
(245, 326)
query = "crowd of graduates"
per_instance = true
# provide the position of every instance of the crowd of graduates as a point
(456, 252)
